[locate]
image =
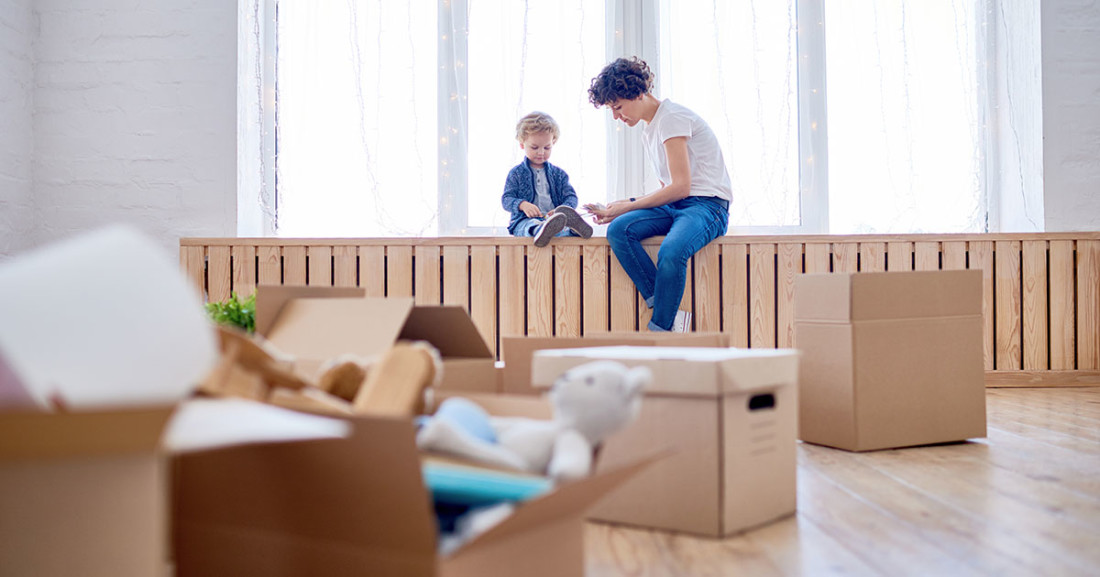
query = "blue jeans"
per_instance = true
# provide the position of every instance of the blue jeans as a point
(688, 225)
(528, 226)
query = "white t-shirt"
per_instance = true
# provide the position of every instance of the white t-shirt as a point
(708, 168)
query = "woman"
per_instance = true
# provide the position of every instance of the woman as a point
(691, 208)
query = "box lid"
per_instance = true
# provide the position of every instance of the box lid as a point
(318, 323)
(687, 371)
(62, 435)
(887, 295)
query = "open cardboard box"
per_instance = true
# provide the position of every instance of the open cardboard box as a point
(358, 506)
(517, 352)
(316, 324)
(890, 359)
(83, 493)
(730, 416)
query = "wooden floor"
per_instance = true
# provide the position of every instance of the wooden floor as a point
(1024, 501)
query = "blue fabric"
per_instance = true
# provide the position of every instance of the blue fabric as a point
(688, 225)
(520, 186)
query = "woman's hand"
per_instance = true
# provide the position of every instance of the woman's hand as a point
(606, 214)
(531, 210)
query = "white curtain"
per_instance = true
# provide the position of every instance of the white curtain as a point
(907, 110)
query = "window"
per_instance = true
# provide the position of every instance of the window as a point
(397, 119)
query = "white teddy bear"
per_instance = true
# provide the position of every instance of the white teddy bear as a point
(590, 402)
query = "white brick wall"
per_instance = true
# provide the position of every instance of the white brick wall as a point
(135, 117)
(16, 132)
(1071, 114)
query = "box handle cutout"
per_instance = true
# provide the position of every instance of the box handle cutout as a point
(760, 402)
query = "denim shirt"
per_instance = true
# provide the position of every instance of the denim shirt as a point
(520, 186)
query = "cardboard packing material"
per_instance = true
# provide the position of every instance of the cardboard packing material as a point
(890, 359)
(358, 506)
(316, 324)
(516, 352)
(729, 416)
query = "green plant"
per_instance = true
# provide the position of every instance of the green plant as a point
(234, 312)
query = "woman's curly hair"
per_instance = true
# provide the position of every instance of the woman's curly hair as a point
(623, 79)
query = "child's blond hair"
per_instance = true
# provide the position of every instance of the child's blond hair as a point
(536, 122)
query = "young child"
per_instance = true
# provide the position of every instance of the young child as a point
(538, 194)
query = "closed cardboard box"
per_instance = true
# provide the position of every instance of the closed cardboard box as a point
(516, 352)
(890, 359)
(729, 417)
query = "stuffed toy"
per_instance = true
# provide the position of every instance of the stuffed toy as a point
(590, 402)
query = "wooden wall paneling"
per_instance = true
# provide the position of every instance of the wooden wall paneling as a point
(294, 265)
(954, 255)
(789, 266)
(456, 276)
(428, 284)
(1088, 305)
(270, 265)
(244, 269)
(872, 257)
(540, 291)
(1063, 328)
(981, 258)
(595, 288)
(399, 270)
(899, 256)
(817, 258)
(1035, 317)
(846, 257)
(926, 256)
(193, 261)
(624, 298)
(483, 297)
(1009, 299)
(567, 290)
(513, 291)
(320, 266)
(345, 265)
(762, 295)
(645, 314)
(219, 273)
(372, 270)
(735, 294)
(708, 288)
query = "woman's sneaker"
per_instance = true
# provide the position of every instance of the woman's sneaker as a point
(549, 227)
(682, 322)
(574, 221)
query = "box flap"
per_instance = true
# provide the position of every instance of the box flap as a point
(363, 494)
(680, 371)
(449, 329)
(569, 499)
(322, 328)
(271, 298)
(61, 435)
(887, 295)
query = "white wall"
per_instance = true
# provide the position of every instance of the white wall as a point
(1071, 114)
(134, 117)
(16, 133)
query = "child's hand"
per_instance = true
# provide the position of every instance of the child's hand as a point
(531, 210)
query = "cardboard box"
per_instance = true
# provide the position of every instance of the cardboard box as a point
(358, 506)
(890, 359)
(316, 324)
(729, 416)
(83, 494)
(516, 352)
